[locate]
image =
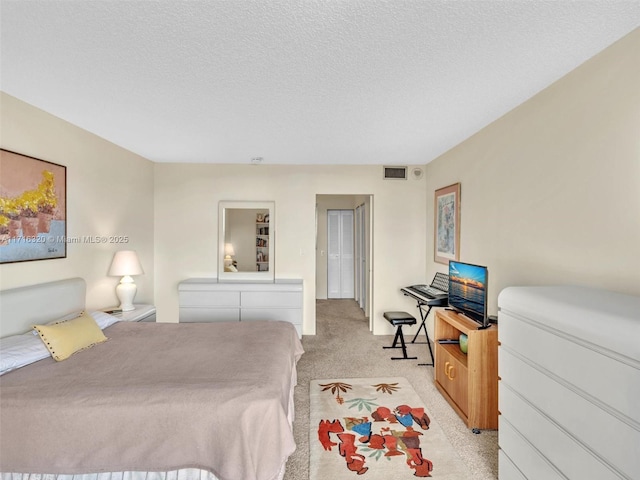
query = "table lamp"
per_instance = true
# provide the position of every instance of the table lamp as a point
(229, 252)
(125, 263)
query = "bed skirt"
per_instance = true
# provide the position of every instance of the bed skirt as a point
(182, 474)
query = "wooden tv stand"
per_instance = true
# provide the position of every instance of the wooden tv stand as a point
(468, 381)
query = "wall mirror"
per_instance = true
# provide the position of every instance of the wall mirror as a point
(246, 234)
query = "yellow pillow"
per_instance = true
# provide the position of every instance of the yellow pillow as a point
(66, 338)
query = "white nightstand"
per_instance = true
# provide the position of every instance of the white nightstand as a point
(142, 313)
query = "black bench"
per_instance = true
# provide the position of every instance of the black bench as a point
(398, 319)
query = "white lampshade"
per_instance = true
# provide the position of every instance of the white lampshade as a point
(126, 263)
(228, 250)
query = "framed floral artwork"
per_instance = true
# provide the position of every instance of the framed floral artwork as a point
(447, 224)
(33, 208)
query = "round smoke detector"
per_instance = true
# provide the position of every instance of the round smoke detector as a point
(417, 173)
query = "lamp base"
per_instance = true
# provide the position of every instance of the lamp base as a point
(126, 292)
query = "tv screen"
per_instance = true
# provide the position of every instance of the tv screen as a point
(468, 290)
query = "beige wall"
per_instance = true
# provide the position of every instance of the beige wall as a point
(551, 191)
(109, 192)
(186, 210)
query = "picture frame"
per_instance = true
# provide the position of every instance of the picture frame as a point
(446, 229)
(33, 208)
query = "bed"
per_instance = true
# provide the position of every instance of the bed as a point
(198, 400)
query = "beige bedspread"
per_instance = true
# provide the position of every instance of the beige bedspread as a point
(157, 397)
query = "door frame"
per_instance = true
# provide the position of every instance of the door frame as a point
(326, 202)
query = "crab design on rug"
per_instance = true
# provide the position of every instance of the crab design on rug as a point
(386, 434)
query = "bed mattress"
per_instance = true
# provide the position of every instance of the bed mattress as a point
(157, 397)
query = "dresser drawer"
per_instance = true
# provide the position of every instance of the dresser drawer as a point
(209, 314)
(272, 299)
(213, 299)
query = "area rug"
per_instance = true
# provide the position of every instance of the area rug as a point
(376, 428)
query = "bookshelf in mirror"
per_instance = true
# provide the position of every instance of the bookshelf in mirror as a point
(262, 242)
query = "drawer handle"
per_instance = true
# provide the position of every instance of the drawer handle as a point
(452, 373)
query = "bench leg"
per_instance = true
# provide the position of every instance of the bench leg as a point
(400, 336)
(395, 339)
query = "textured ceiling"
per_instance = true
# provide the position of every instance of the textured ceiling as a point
(295, 82)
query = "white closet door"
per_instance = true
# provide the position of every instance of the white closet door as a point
(340, 268)
(333, 254)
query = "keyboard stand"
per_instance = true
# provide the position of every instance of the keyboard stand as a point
(423, 316)
(424, 313)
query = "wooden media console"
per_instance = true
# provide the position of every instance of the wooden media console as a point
(469, 381)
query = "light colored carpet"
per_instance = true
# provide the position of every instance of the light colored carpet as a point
(379, 428)
(343, 347)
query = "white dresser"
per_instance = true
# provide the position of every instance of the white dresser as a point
(207, 300)
(569, 389)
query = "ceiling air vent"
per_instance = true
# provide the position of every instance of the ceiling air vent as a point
(395, 173)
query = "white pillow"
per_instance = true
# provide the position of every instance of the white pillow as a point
(19, 350)
(103, 319)
(70, 316)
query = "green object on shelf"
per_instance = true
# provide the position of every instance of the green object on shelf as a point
(463, 342)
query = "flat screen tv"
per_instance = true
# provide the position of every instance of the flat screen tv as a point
(468, 291)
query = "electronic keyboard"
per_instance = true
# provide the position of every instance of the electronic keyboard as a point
(435, 294)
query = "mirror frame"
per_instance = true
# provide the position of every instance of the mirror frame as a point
(251, 276)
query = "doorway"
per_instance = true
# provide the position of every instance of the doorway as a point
(362, 208)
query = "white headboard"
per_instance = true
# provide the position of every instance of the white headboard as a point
(22, 307)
